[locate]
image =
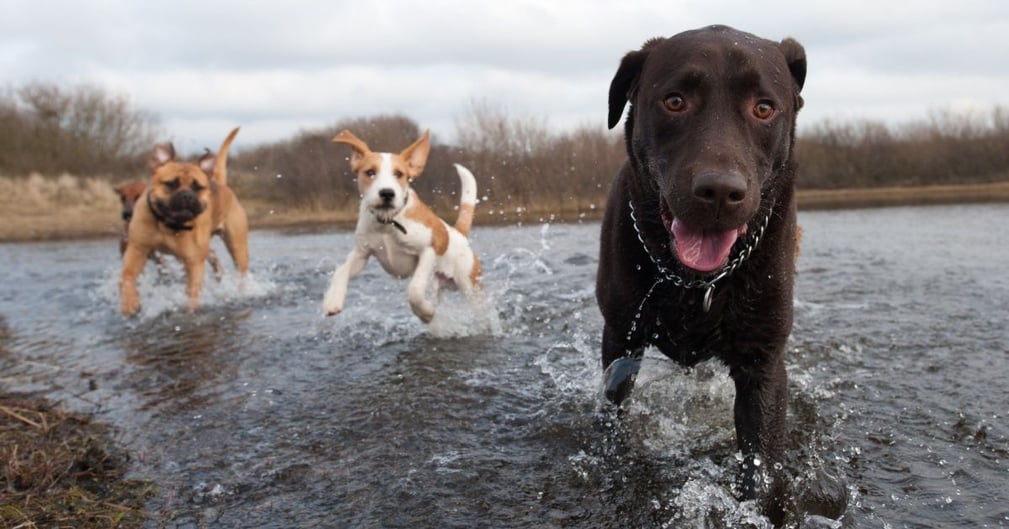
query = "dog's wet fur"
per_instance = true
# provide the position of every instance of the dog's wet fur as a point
(710, 135)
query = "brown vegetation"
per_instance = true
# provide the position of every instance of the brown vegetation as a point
(59, 469)
(525, 170)
(946, 149)
(83, 131)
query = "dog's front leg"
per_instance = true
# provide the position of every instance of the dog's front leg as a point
(332, 303)
(195, 268)
(760, 414)
(621, 362)
(134, 259)
(418, 286)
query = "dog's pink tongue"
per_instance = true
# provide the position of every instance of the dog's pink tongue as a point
(702, 250)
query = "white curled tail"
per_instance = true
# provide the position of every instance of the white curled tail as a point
(467, 200)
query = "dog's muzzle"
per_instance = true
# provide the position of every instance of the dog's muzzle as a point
(178, 211)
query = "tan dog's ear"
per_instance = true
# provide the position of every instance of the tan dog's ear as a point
(359, 146)
(416, 154)
(163, 153)
(206, 162)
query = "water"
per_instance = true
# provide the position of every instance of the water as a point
(259, 412)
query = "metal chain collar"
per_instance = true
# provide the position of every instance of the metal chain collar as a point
(665, 274)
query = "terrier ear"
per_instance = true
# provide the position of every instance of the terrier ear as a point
(359, 146)
(416, 154)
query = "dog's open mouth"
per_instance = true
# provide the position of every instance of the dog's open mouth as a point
(700, 249)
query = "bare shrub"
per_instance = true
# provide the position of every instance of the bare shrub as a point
(526, 166)
(945, 148)
(311, 172)
(83, 130)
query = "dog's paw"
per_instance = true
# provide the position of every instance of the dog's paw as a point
(129, 307)
(424, 310)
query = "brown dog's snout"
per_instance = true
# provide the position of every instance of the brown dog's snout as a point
(387, 194)
(185, 200)
(725, 190)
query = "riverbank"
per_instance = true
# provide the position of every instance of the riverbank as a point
(94, 213)
(60, 469)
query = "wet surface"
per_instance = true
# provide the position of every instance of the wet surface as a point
(259, 412)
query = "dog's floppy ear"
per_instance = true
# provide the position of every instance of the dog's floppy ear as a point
(163, 153)
(625, 82)
(416, 154)
(360, 147)
(795, 57)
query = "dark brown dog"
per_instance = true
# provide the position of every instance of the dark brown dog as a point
(698, 241)
(184, 205)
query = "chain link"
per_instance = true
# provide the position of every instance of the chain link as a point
(665, 274)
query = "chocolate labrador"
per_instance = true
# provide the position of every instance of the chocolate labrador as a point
(697, 251)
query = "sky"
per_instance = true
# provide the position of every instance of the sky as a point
(279, 68)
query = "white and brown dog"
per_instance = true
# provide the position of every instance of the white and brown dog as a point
(402, 232)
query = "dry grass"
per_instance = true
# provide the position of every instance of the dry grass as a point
(58, 469)
(38, 208)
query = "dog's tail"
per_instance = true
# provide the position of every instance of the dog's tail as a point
(467, 200)
(221, 160)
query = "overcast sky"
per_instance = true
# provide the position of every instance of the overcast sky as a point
(278, 67)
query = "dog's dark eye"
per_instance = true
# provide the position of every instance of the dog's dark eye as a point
(763, 110)
(172, 185)
(675, 103)
(371, 173)
(197, 187)
(399, 174)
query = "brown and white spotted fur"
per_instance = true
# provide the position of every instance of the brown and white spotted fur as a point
(402, 232)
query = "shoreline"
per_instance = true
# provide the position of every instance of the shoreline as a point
(83, 222)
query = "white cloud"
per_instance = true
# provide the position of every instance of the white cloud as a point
(280, 67)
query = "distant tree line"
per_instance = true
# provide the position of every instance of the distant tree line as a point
(84, 131)
(519, 163)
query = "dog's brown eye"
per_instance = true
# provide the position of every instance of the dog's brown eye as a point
(196, 187)
(371, 173)
(675, 103)
(763, 110)
(172, 185)
(399, 174)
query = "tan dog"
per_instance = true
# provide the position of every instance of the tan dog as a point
(129, 193)
(403, 234)
(184, 205)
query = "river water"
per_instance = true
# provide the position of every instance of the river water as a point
(257, 411)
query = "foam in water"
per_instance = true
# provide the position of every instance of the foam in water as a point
(455, 317)
(164, 290)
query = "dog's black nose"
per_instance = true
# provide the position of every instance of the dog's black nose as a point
(386, 194)
(721, 189)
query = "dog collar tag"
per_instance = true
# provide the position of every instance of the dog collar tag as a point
(706, 303)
